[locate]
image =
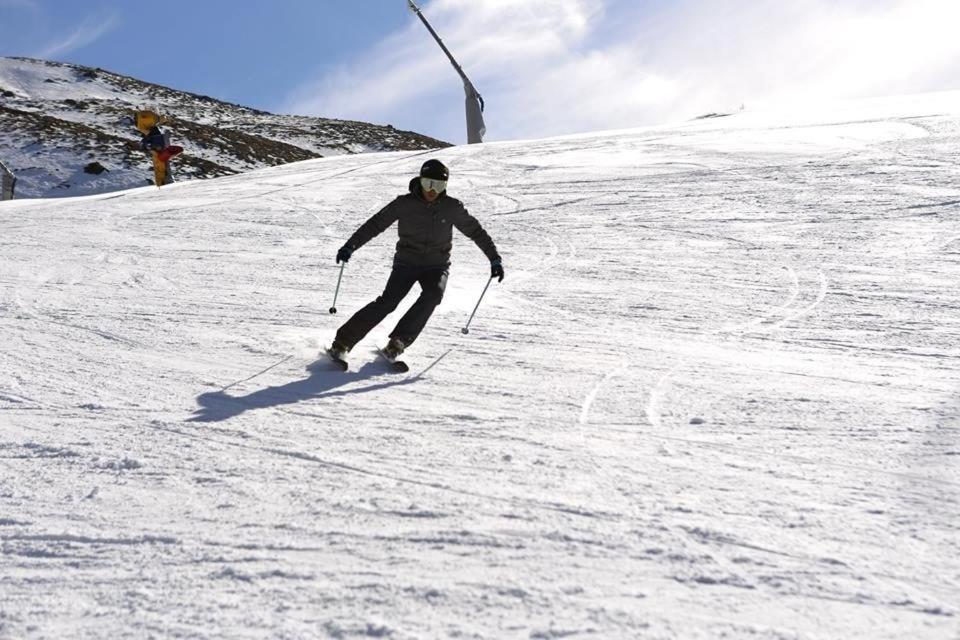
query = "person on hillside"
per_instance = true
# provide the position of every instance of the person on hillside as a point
(425, 220)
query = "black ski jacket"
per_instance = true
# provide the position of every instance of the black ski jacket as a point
(425, 228)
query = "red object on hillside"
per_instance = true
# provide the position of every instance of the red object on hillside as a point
(166, 153)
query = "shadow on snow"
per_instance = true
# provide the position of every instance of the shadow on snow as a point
(218, 406)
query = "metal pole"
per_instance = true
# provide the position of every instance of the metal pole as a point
(7, 182)
(333, 309)
(476, 128)
(466, 329)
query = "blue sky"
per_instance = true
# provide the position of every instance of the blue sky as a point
(544, 67)
(250, 52)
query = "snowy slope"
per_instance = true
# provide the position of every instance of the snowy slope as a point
(716, 396)
(56, 118)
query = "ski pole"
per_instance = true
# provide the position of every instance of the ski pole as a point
(333, 309)
(466, 329)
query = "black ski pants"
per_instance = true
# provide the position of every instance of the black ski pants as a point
(433, 281)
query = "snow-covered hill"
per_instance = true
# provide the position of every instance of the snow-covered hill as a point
(56, 118)
(716, 396)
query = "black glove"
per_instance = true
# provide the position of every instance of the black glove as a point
(496, 270)
(344, 254)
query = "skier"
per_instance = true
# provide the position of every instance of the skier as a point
(425, 219)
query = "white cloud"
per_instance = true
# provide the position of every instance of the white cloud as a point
(407, 73)
(559, 66)
(86, 33)
(769, 51)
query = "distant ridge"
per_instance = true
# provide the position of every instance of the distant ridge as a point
(58, 118)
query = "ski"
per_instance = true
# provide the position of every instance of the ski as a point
(326, 359)
(339, 362)
(397, 366)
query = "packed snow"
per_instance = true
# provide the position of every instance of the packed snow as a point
(715, 396)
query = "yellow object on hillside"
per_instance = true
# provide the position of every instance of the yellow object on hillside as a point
(146, 120)
(156, 142)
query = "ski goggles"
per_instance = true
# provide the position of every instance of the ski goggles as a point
(429, 184)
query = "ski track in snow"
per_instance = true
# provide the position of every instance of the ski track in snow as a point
(715, 396)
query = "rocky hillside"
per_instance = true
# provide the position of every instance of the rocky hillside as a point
(68, 130)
